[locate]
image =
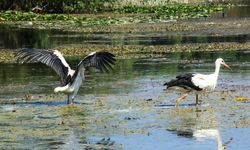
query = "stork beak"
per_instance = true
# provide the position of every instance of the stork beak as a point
(226, 66)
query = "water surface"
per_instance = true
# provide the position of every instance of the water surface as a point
(127, 108)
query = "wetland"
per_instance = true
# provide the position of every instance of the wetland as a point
(128, 108)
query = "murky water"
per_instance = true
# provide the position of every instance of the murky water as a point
(14, 37)
(127, 108)
(235, 12)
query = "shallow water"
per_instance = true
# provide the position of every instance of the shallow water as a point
(127, 108)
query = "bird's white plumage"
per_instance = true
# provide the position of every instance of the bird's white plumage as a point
(64, 89)
(60, 56)
(205, 82)
(208, 82)
(93, 53)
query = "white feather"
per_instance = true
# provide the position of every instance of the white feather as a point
(205, 82)
(60, 56)
(71, 88)
(93, 53)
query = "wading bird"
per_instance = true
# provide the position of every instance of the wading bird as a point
(195, 82)
(71, 80)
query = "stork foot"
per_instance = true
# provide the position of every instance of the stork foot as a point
(71, 103)
(180, 99)
(70, 100)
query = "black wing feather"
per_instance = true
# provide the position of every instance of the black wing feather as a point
(101, 60)
(50, 58)
(184, 81)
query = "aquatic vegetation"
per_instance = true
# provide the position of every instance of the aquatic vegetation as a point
(52, 6)
(139, 14)
(7, 56)
(175, 10)
(70, 19)
(30, 16)
(241, 99)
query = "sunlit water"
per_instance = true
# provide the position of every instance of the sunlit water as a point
(127, 108)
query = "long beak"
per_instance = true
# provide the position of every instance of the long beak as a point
(225, 65)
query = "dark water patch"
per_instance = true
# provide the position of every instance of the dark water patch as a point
(173, 39)
(180, 105)
(52, 143)
(234, 12)
(187, 133)
(5, 124)
(47, 117)
(14, 37)
(47, 103)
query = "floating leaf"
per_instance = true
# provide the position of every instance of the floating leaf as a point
(241, 99)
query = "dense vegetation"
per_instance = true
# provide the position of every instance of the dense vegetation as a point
(57, 6)
(93, 6)
(154, 13)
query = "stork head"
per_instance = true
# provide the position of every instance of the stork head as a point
(220, 61)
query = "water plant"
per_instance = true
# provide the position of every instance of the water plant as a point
(137, 14)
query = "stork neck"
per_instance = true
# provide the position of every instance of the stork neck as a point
(217, 69)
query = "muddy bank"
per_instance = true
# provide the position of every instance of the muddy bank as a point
(229, 26)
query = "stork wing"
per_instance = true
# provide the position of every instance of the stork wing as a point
(101, 60)
(184, 81)
(54, 59)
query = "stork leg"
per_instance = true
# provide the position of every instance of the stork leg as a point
(72, 100)
(197, 100)
(180, 99)
(68, 100)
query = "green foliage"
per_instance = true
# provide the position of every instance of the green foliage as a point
(175, 10)
(150, 14)
(30, 16)
(57, 6)
(70, 19)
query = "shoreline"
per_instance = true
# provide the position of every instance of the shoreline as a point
(197, 27)
(126, 52)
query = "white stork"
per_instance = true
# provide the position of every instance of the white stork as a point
(71, 79)
(196, 82)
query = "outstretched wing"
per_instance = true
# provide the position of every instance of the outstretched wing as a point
(54, 59)
(101, 60)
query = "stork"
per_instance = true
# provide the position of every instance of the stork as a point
(196, 82)
(71, 80)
